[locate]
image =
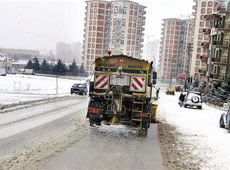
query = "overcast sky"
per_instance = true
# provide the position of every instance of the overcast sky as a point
(39, 24)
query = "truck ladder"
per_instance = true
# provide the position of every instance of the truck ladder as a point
(137, 109)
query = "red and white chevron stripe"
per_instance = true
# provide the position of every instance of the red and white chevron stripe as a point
(101, 81)
(138, 84)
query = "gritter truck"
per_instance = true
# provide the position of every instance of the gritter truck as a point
(121, 93)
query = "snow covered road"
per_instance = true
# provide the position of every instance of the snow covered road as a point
(33, 135)
(191, 138)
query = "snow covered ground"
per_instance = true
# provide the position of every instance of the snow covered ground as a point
(199, 130)
(19, 88)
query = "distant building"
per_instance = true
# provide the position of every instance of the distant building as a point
(67, 52)
(5, 62)
(18, 54)
(177, 34)
(112, 25)
(151, 51)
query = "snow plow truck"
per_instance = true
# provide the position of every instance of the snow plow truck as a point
(121, 93)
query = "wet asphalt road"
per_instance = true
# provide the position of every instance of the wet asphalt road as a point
(110, 147)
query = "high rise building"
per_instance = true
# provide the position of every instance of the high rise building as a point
(173, 60)
(151, 51)
(218, 58)
(201, 41)
(112, 25)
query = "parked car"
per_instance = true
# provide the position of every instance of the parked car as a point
(10, 72)
(170, 91)
(79, 89)
(178, 88)
(193, 99)
(225, 120)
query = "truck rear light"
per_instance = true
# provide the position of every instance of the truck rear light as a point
(94, 111)
(143, 115)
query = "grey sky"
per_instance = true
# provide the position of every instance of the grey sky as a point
(39, 24)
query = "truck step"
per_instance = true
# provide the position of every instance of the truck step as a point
(137, 120)
(136, 128)
(138, 102)
(137, 111)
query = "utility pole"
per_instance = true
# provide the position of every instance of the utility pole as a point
(189, 50)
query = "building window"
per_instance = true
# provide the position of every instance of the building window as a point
(210, 3)
(203, 4)
(209, 10)
(201, 24)
(202, 17)
(203, 10)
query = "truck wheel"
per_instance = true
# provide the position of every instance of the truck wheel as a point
(143, 132)
(91, 122)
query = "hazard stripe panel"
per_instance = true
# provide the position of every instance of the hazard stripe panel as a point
(138, 84)
(101, 81)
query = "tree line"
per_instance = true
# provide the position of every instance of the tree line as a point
(59, 68)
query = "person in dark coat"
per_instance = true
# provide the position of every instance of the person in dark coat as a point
(181, 99)
(157, 92)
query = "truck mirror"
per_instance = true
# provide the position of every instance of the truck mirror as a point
(154, 75)
(154, 81)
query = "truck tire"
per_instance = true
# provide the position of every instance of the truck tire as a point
(143, 132)
(91, 122)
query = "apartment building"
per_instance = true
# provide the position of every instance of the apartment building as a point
(218, 58)
(185, 48)
(173, 60)
(202, 8)
(112, 25)
(151, 51)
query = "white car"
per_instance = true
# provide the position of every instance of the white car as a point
(193, 99)
(225, 120)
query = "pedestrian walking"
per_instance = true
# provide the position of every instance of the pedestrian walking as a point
(181, 99)
(157, 92)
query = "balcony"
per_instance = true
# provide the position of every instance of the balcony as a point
(206, 30)
(215, 60)
(205, 44)
(204, 72)
(221, 44)
(217, 77)
(223, 61)
(223, 9)
(205, 59)
(223, 27)
(212, 17)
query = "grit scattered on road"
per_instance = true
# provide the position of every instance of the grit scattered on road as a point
(176, 153)
(49, 145)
